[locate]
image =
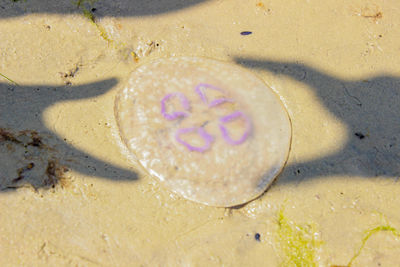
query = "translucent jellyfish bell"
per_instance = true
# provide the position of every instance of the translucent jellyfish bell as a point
(210, 131)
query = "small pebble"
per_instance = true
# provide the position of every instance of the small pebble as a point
(246, 33)
(257, 237)
(359, 135)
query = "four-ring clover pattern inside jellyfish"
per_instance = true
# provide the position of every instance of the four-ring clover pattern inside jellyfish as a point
(200, 89)
(212, 132)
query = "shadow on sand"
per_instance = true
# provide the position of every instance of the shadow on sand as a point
(26, 143)
(370, 109)
(36, 154)
(101, 8)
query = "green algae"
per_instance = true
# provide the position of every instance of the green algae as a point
(368, 234)
(4, 76)
(81, 3)
(298, 242)
(89, 15)
(85, 6)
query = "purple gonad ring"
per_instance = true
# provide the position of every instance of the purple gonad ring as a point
(176, 114)
(231, 117)
(200, 91)
(208, 139)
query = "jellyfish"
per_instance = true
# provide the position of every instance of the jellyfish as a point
(210, 131)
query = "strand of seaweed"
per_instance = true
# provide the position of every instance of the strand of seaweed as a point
(87, 13)
(4, 76)
(368, 234)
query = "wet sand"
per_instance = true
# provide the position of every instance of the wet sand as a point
(72, 195)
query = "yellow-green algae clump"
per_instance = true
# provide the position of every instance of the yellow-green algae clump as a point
(299, 243)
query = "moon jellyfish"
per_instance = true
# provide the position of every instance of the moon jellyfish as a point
(212, 132)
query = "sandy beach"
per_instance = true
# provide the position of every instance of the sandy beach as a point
(71, 194)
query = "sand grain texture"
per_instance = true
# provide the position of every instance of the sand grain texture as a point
(332, 63)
